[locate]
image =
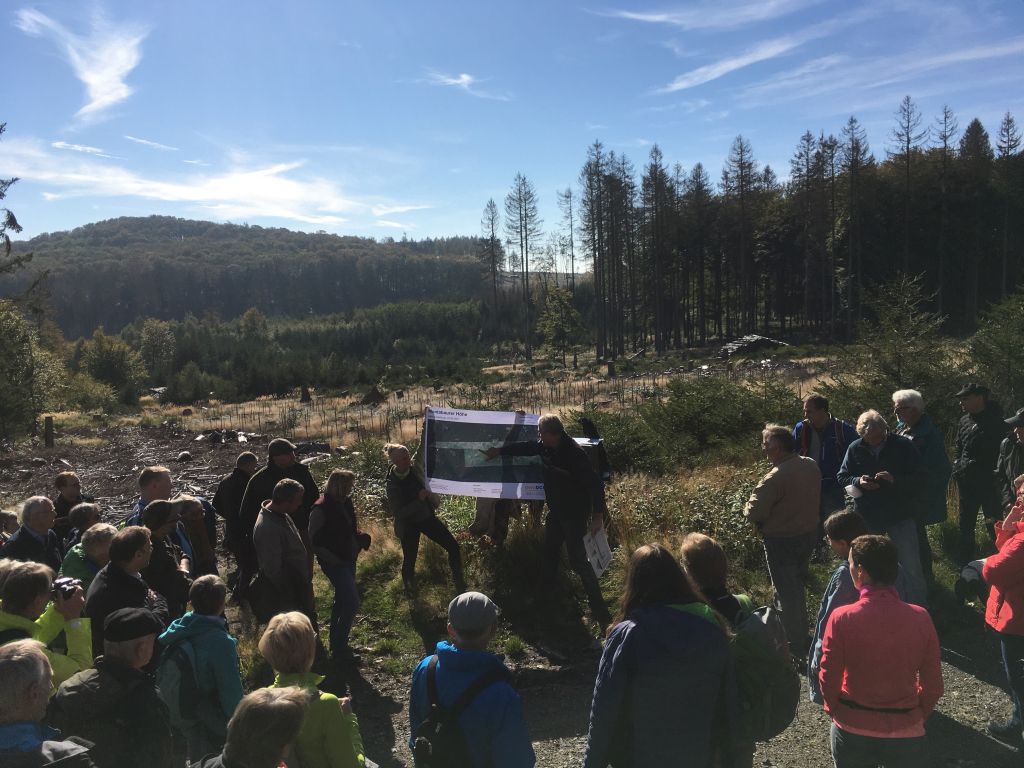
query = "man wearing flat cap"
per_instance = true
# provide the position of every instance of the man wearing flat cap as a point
(116, 705)
(492, 720)
(282, 464)
(979, 435)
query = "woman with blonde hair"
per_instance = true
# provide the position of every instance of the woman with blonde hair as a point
(337, 541)
(413, 506)
(330, 732)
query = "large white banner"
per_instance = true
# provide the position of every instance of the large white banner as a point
(452, 443)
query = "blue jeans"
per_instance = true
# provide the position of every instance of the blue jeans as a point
(850, 750)
(904, 535)
(1013, 663)
(345, 605)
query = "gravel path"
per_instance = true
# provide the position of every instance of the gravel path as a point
(557, 714)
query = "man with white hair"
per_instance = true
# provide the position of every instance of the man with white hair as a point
(915, 425)
(25, 679)
(35, 540)
(883, 473)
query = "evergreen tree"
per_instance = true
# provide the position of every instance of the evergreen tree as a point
(907, 137)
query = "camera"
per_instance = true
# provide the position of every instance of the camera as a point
(65, 586)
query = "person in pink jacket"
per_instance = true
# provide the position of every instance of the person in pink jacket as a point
(1004, 612)
(880, 673)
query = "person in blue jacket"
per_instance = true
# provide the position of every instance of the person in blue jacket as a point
(888, 481)
(825, 439)
(217, 668)
(492, 723)
(841, 528)
(666, 688)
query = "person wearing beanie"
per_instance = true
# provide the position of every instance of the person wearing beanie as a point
(492, 722)
(116, 705)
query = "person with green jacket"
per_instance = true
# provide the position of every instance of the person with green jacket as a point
(217, 669)
(85, 559)
(28, 614)
(330, 732)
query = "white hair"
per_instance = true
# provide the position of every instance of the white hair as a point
(909, 397)
(550, 424)
(23, 667)
(97, 538)
(31, 506)
(869, 419)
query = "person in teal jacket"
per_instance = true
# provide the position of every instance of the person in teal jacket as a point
(216, 654)
(84, 560)
(330, 732)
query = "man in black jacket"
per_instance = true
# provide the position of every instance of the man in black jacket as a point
(282, 464)
(979, 435)
(575, 497)
(167, 570)
(35, 541)
(227, 501)
(116, 705)
(119, 585)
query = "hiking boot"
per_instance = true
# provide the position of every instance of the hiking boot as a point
(1008, 731)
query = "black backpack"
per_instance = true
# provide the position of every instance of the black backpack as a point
(440, 742)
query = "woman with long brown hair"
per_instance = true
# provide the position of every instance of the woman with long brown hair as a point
(665, 685)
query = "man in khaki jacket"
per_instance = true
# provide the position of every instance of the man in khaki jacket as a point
(784, 507)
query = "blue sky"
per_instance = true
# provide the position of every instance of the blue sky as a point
(390, 117)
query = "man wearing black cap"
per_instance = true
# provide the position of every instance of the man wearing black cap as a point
(281, 464)
(1010, 465)
(979, 435)
(116, 705)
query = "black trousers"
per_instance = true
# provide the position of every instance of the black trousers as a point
(559, 530)
(972, 497)
(437, 532)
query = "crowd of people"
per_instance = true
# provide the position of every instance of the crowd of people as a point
(114, 649)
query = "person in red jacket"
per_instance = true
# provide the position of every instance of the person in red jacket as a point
(1004, 612)
(880, 672)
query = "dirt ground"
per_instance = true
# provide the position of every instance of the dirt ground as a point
(556, 695)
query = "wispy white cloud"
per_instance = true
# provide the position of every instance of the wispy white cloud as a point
(393, 224)
(715, 15)
(196, 162)
(388, 210)
(151, 144)
(464, 82)
(767, 50)
(258, 190)
(689, 107)
(83, 148)
(764, 51)
(596, 127)
(840, 74)
(101, 60)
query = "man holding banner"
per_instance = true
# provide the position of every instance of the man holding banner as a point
(575, 497)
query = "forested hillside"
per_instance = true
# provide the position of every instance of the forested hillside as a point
(113, 272)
